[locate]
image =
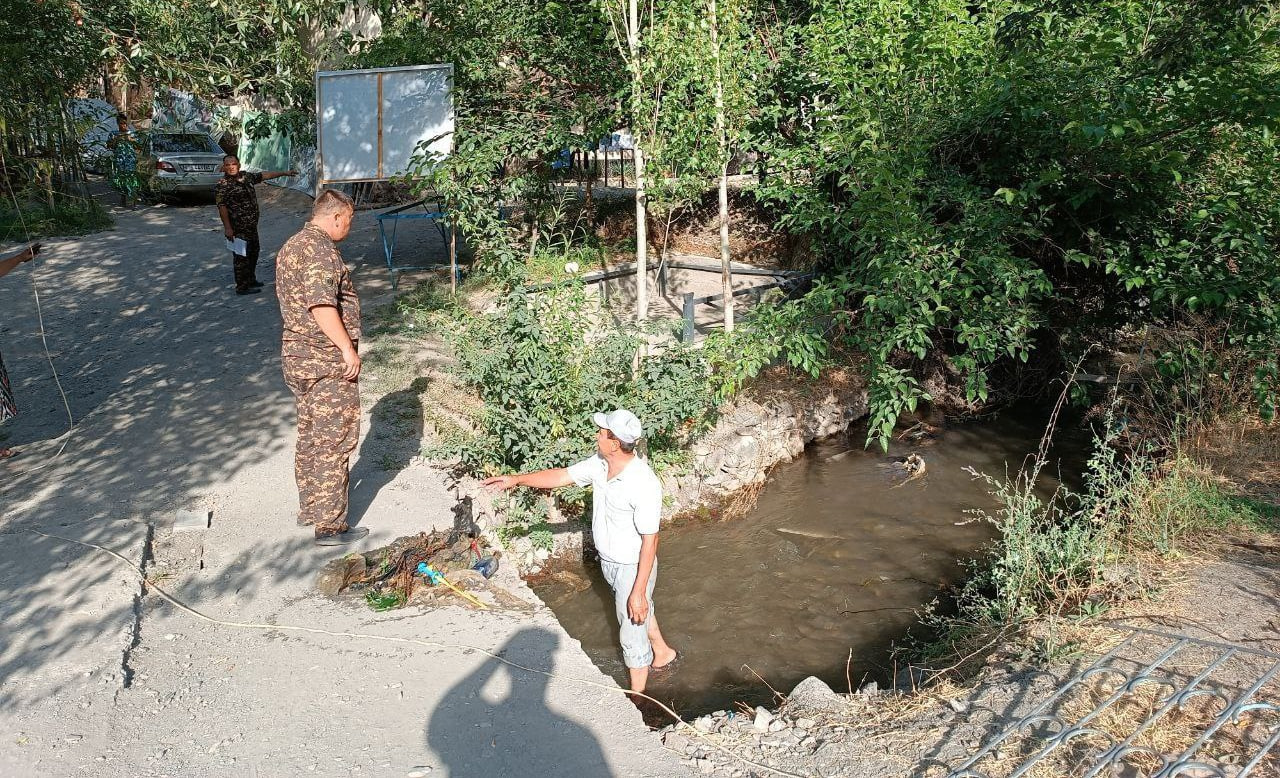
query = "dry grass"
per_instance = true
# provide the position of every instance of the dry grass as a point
(1244, 455)
(782, 384)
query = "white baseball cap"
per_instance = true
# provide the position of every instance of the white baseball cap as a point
(623, 424)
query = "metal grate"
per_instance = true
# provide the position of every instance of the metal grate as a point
(1158, 705)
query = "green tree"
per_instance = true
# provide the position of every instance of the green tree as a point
(531, 78)
(46, 51)
(268, 49)
(980, 178)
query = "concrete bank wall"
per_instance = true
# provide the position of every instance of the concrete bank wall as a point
(753, 433)
(760, 430)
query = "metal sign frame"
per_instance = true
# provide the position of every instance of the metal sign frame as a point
(382, 175)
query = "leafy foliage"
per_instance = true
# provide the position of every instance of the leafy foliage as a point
(979, 180)
(220, 48)
(543, 369)
(975, 174)
(46, 49)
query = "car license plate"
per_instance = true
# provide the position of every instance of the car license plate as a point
(200, 168)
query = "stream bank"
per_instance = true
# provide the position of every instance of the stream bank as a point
(769, 425)
(827, 572)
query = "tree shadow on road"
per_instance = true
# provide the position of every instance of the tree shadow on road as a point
(175, 386)
(496, 720)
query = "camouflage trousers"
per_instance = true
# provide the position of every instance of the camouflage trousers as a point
(245, 268)
(328, 430)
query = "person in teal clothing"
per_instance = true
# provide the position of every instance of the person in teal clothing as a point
(124, 162)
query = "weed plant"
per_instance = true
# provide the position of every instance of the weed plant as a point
(63, 215)
(543, 363)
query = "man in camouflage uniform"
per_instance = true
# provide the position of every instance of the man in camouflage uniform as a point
(321, 318)
(238, 207)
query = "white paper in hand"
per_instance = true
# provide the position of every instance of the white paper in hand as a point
(237, 247)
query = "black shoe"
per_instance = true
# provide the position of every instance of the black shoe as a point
(250, 290)
(256, 285)
(328, 537)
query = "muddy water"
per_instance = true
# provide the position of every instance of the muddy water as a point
(834, 558)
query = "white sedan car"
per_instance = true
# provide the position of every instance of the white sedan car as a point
(180, 162)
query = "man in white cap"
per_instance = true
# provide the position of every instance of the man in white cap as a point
(626, 507)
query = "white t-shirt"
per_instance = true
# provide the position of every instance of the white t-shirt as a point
(623, 507)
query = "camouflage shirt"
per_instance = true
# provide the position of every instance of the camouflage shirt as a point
(309, 273)
(240, 198)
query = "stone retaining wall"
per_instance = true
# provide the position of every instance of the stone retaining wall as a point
(757, 432)
(754, 433)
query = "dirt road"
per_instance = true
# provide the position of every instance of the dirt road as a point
(174, 384)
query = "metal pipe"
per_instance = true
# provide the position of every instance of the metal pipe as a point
(687, 335)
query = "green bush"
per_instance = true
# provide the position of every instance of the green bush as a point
(1046, 554)
(544, 362)
(64, 216)
(1075, 553)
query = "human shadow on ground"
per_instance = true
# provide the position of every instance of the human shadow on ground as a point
(393, 441)
(496, 721)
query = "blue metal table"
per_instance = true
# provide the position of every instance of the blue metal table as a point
(417, 210)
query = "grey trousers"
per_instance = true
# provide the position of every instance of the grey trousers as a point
(637, 651)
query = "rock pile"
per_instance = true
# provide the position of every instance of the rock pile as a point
(813, 721)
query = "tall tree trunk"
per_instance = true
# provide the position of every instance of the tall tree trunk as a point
(722, 138)
(642, 241)
(726, 266)
(642, 205)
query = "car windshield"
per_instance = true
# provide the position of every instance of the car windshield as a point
(166, 144)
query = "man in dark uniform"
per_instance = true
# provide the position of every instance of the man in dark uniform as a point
(238, 206)
(320, 313)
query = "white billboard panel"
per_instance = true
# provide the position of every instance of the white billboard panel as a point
(369, 122)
